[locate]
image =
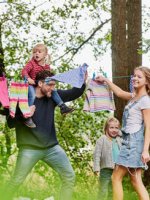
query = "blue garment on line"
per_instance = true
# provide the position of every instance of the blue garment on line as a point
(74, 77)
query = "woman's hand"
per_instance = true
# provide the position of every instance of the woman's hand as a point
(100, 79)
(145, 156)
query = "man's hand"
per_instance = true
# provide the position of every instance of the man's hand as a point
(85, 76)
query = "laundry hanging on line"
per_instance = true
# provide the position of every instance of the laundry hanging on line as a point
(74, 77)
(98, 97)
(4, 97)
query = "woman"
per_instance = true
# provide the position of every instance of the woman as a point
(134, 153)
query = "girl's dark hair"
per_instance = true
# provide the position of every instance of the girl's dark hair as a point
(41, 76)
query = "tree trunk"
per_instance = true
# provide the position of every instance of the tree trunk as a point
(119, 52)
(126, 40)
(2, 66)
(134, 34)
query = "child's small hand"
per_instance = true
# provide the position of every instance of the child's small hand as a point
(31, 81)
(145, 156)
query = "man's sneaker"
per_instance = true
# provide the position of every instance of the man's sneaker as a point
(65, 109)
(29, 122)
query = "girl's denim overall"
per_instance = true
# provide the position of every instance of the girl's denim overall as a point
(132, 144)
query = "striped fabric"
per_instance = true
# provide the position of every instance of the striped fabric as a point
(74, 77)
(19, 94)
(98, 97)
(4, 98)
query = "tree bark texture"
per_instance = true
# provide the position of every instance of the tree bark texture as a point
(126, 37)
(134, 34)
(119, 51)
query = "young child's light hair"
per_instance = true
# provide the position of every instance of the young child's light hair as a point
(146, 72)
(109, 120)
(43, 46)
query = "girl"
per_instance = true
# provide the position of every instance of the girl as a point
(36, 64)
(134, 153)
(105, 154)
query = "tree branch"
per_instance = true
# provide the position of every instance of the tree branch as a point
(75, 50)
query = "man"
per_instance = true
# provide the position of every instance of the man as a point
(41, 143)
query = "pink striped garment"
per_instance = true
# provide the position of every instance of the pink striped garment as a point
(19, 95)
(98, 97)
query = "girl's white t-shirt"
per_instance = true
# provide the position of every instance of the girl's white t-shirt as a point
(135, 117)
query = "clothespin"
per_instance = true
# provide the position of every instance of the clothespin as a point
(93, 77)
(103, 73)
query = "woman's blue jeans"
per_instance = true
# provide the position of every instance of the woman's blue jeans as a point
(55, 157)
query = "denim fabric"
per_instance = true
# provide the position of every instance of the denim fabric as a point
(31, 95)
(105, 184)
(55, 157)
(131, 150)
(56, 98)
(132, 145)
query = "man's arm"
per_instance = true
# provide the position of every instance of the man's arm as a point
(71, 94)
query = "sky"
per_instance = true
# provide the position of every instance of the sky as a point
(86, 56)
(105, 61)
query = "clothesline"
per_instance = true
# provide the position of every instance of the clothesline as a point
(129, 76)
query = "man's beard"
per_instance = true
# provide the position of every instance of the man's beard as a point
(47, 94)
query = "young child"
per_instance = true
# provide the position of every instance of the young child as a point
(105, 154)
(134, 152)
(29, 72)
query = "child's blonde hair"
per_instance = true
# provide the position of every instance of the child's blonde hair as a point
(146, 72)
(40, 45)
(109, 120)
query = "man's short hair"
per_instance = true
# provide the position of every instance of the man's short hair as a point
(41, 76)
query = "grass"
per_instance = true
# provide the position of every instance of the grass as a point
(37, 187)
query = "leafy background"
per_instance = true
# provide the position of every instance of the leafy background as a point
(67, 28)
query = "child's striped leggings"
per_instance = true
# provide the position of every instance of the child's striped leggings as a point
(19, 94)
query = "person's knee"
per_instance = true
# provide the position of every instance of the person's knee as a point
(135, 181)
(113, 178)
(72, 176)
(69, 177)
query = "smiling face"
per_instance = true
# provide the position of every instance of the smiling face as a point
(40, 53)
(112, 129)
(139, 79)
(46, 88)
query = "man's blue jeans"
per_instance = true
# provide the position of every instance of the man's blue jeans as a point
(55, 157)
(31, 96)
